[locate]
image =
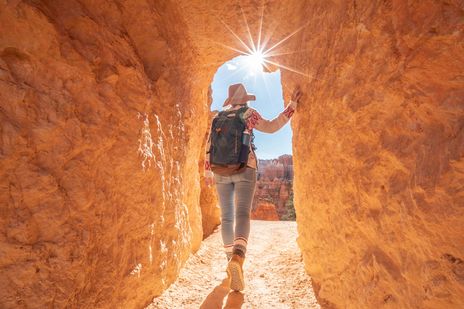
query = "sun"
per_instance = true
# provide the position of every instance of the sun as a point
(255, 61)
(257, 55)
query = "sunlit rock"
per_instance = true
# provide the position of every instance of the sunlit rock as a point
(265, 211)
(274, 186)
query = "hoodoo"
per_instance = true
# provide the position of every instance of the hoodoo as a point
(104, 107)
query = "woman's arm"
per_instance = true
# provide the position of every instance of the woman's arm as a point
(208, 173)
(254, 120)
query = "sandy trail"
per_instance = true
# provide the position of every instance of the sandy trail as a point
(274, 274)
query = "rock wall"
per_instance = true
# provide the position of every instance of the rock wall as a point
(99, 186)
(378, 153)
(103, 109)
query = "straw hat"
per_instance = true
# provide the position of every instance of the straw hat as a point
(238, 95)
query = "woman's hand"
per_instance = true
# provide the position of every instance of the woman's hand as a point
(209, 176)
(296, 95)
(209, 181)
(291, 107)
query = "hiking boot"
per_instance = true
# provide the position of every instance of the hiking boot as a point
(235, 272)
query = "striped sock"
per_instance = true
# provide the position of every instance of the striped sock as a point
(240, 246)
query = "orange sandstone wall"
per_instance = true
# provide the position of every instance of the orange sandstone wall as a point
(99, 135)
(378, 153)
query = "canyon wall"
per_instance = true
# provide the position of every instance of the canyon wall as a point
(99, 148)
(103, 110)
(378, 152)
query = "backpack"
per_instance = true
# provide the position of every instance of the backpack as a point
(226, 155)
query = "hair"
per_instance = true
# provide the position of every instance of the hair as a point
(227, 107)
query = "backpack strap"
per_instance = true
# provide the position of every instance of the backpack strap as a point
(241, 111)
(238, 112)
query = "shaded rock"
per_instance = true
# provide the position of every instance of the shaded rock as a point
(99, 179)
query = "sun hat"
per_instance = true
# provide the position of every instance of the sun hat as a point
(238, 95)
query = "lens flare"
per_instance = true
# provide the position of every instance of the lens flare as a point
(257, 55)
(255, 61)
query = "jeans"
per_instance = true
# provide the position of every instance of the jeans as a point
(242, 187)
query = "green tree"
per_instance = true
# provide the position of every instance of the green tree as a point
(290, 215)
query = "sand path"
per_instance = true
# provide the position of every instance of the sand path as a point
(274, 274)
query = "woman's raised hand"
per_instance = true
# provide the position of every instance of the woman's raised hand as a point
(296, 95)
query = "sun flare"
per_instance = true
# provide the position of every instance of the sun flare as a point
(257, 55)
(255, 61)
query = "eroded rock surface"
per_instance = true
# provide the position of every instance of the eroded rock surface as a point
(378, 153)
(103, 109)
(99, 183)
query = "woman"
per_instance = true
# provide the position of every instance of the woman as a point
(242, 184)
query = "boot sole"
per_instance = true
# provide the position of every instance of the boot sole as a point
(237, 282)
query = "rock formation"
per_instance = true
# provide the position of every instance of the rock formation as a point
(103, 109)
(274, 187)
(265, 211)
(99, 148)
(378, 153)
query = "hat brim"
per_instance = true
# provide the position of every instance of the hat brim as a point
(240, 101)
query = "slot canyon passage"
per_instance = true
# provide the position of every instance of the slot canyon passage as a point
(104, 106)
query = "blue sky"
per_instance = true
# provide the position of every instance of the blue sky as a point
(267, 88)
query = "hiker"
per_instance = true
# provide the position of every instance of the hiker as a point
(231, 163)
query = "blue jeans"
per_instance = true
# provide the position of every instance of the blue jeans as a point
(242, 187)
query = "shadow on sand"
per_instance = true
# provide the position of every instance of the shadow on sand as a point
(215, 299)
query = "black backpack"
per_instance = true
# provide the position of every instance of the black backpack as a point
(227, 155)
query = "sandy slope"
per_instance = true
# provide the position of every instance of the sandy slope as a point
(274, 274)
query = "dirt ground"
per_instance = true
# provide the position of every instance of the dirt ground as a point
(274, 274)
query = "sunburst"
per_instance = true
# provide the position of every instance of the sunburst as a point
(256, 53)
(255, 61)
